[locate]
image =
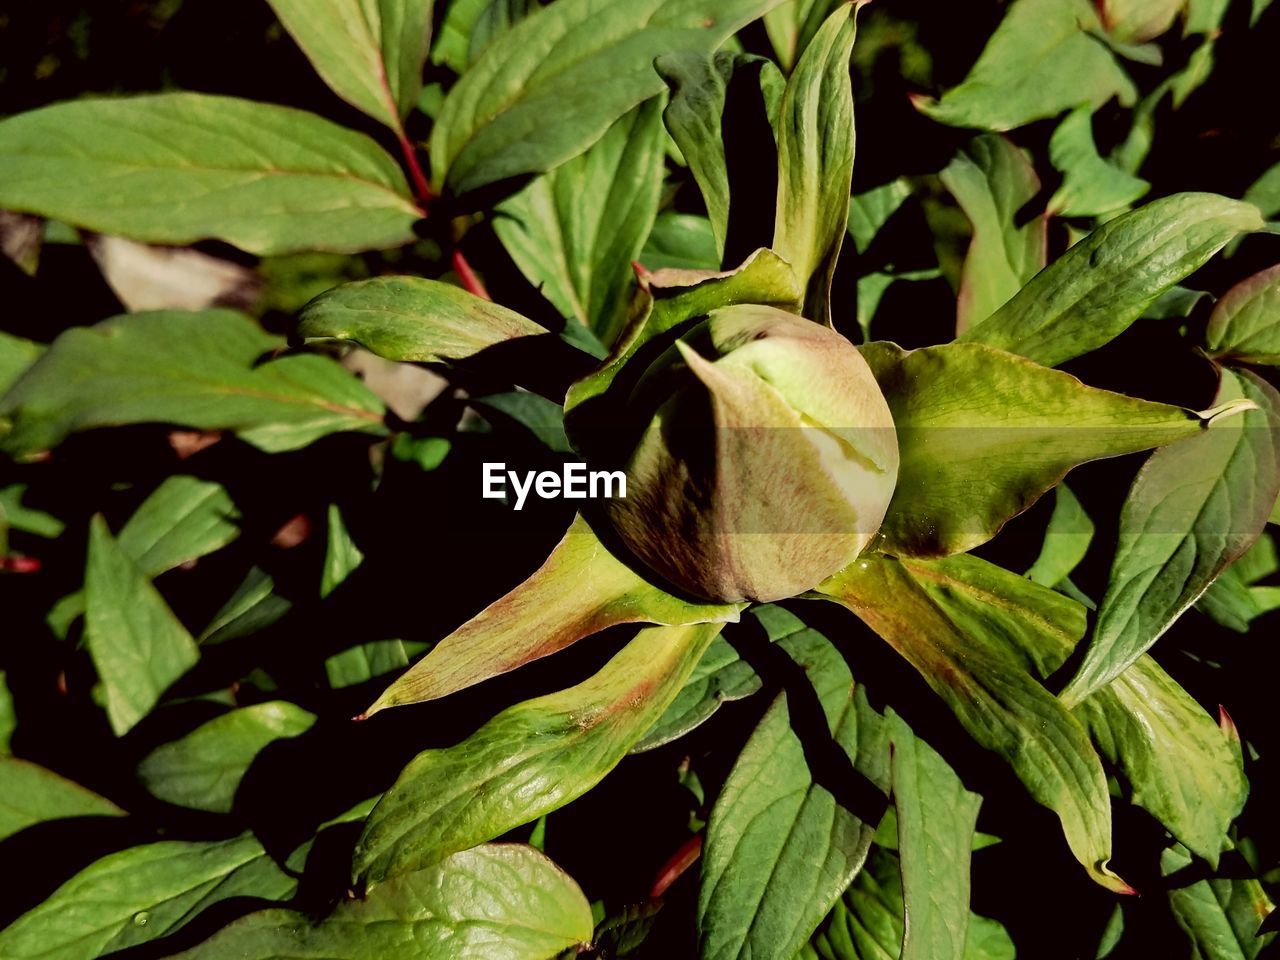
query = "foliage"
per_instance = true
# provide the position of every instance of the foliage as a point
(844, 292)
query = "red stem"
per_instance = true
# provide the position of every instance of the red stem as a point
(680, 861)
(421, 189)
(470, 282)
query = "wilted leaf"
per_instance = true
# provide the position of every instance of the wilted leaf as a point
(581, 589)
(138, 646)
(1193, 509)
(530, 759)
(146, 277)
(993, 182)
(184, 167)
(582, 62)
(982, 434)
(780, 846)
(371, 54)
(1039, 62)
(1245, 323)
(203, 769)
(201, 370)
(815, 161)
(30, 794)
(141, 894)
(1094, 291)
(21, 237)
(575, 231)
(980, 636)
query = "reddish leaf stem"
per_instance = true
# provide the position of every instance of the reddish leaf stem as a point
(470, 282)
(680, 861)
(421, 189)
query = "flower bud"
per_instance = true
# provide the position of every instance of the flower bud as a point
(766, 459)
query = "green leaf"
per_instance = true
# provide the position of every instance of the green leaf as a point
(936, 820)
(254, 606)
(542, 417)
(667, 299)
(993, 181)
(1220, 916)
(31, 794)
(1091, 186)
(341, 557)
(815, 161)
(870, 211)
(979, 636)
(695, 118)
(184, 167)
(203, 770)
(499, 900)
(1193, 509)
(791, 27)
(868, 922)
(575, 231)
(1264, 193)
(583, 62)
(530, 759)
(681, 240)
(1066, 540)
(1039, 62)
(1245, 323)
(409, 318)
(983, 433)
(138, 646)
(184, 518)
(200, 370)
(1234, 600)
(8, 716)
(19, 516)
(1137, 21)
(16, 355)
(781, 847)
(142, 894)
(1178, 763)
(721, 676)
(370, 52)
(1094, 291)
(581, 589)
(452, 44)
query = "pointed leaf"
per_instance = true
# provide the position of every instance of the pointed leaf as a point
(200, 370)
(186, 166)
(1193, 509)
(1066, 540)
(504, 901)
(584, 62)
(695, 117)
(370, 52)
(1091, 186)
(1178, 763)
(530, 759)
(980, 636)
(982, 434)
(575, 231)
(1039, 62)
(1245, 323)
(410, 318)
(993, 182)
(142, 894)
(203, 770)
(138, 646)
(781, 847)
(815, 161)
(1094, 291)
(30, 794)
(936, 819)
(792, 25)
(1220, 916)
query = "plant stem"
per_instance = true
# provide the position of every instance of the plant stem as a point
(421, 189)
(470, 282)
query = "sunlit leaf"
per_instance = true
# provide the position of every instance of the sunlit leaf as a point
(30, 794)
(1221, 915)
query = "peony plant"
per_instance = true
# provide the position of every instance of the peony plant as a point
(787, 468)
